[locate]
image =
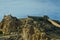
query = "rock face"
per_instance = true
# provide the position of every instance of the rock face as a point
(9, 24)
(31, 28)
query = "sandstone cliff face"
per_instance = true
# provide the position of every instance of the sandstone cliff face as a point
(31, 28)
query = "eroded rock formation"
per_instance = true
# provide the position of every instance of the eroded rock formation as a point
(31, 28)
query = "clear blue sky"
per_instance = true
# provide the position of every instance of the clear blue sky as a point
(23, 8)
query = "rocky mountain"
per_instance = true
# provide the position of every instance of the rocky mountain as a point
(30, 28)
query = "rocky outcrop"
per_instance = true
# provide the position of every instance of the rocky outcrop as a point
(31, 28)
(9, 24)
